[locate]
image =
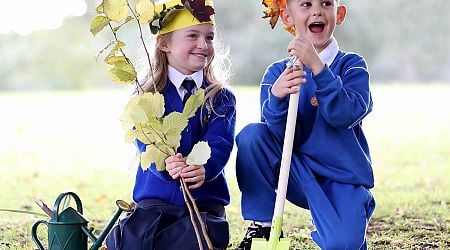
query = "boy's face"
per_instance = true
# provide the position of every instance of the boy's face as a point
(314, 19)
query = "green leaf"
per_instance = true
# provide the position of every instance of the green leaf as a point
(199, 154)
(111, 60)
(153, 104)
(174, 123)
(193, 103)
(169, 14)
(98, 24)
(146, 11)
(123, 73)
(116, 10)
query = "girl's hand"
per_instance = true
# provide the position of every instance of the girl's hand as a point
(194, 174)
(288, 82)
(303, 49)
(174, 165)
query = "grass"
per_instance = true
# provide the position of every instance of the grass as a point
(52, 142)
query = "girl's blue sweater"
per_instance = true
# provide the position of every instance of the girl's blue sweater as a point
(217, 129)
(329, 137)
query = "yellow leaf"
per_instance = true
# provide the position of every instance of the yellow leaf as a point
(111, 60)
(99, 9)
(135, 111)
(123, 73)
(116, 10)
(131, 135)
(193, 103)
(117, 46)
(146, 11)
(174, 123)
(153, 104)
(146, 160)
(153, 155)
(173, 140)
(98, 24)
(199, 154)
(126, 120)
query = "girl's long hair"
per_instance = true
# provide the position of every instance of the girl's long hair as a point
(216, 72)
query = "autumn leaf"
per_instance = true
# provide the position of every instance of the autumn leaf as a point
(116, 10)
(153, 155)
(117, 46)
(193, 103)
(153, 104)
(99, 9)
(174, 123)
(98, 24)
(173, 140)
(199, 9)
(123, 73)
(111, 60)
(146, 11)
(273, 10)
(199, 154)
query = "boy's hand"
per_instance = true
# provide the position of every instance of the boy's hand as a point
(288, 82)
(303, 49)
(194, 174)
(174, 165)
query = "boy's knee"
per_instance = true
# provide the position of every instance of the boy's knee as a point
(339, 242)
(251, 135)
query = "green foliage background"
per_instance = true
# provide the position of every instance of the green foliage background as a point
(403, 41)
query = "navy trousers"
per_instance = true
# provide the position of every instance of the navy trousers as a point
(157, 225)
(339, 211)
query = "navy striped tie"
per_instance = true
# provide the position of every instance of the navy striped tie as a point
(188, 84)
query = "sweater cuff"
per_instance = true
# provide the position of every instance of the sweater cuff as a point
(324, 77)
(276, 103)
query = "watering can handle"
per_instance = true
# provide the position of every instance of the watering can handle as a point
(34, 233)
(58, 201)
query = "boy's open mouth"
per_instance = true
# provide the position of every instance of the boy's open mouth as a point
(316, 27)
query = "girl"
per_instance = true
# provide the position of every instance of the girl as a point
(184, 54)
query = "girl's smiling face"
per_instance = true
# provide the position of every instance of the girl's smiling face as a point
(190, 49)
(315, 19)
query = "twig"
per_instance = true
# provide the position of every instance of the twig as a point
(143, 44)
(191, 214)
(197, 212)
(43, 206)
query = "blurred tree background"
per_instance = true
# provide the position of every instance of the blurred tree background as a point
(403, 41)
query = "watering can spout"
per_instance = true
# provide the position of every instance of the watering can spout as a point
(121, 206)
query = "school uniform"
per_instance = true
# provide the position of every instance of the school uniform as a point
(331, 169)
(161, 212)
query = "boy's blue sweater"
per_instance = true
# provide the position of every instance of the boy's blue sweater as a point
(217, 129)
(328, 137)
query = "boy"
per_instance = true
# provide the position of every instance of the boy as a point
(331, 171)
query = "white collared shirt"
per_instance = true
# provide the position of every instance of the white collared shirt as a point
(177, 78)
(330, 52)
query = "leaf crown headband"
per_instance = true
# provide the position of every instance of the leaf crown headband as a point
(177, 14)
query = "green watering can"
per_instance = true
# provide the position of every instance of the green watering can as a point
(68, 230)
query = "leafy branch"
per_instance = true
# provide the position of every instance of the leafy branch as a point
(143, 118)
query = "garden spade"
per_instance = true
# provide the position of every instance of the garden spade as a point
(275, 243)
